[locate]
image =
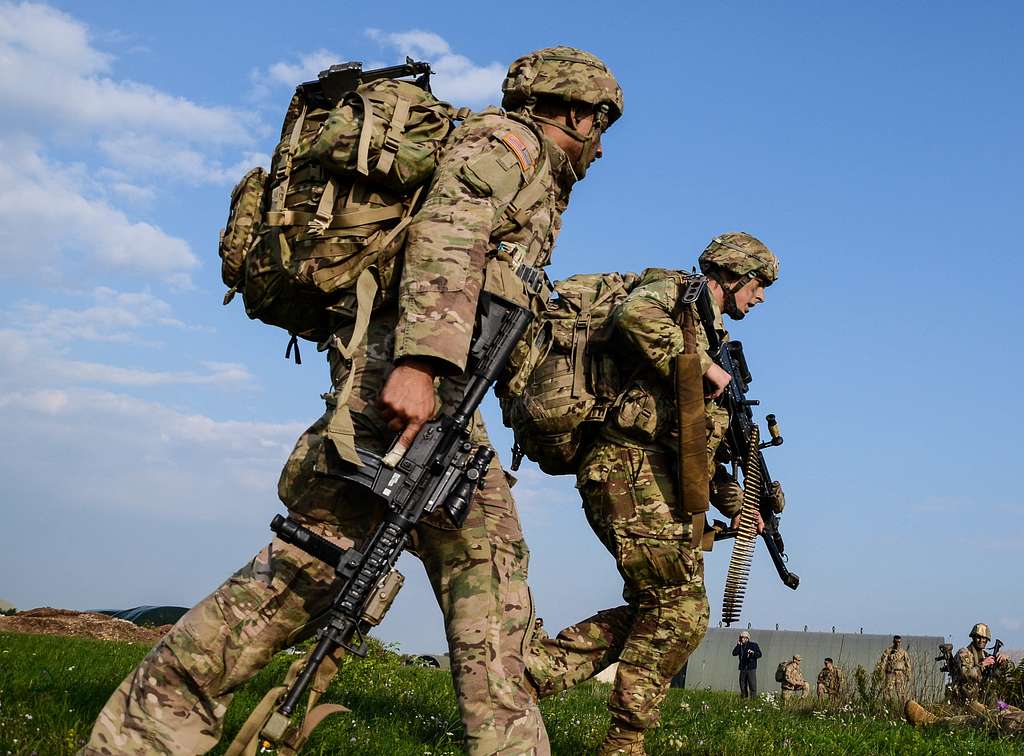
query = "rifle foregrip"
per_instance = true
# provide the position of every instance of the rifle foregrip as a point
(292, 533)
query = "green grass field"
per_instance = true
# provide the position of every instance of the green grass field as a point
(51, 689)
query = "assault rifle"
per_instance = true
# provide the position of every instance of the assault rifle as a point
(440, 469)
(988, 672)
(334, 82)
(729, 356)
(950, 665)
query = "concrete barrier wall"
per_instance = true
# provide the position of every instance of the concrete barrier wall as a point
(713, 666)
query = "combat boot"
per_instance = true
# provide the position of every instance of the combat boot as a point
(977, 708)
(917, 715)
(622, 741)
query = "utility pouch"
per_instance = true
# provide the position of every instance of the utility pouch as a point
(239, 232)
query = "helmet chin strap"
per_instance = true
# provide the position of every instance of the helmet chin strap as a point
(588, 141)
(729, 306)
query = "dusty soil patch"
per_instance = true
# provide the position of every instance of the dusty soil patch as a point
(49, 621)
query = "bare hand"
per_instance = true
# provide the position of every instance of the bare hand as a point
(717, 379)
(760, 522)
(988, 661)
(408, 398)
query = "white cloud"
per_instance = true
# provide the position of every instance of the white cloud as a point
(149, 155)
(114, 317)
(456, 78)
(306, 69)
(216, 374)
(52, 211)
(35, 360)
(52, 78)
(161, 459)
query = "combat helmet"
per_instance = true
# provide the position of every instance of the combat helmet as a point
(981, 631)
(572, 76)
(739, 254)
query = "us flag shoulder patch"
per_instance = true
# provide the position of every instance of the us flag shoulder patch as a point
(518, 146)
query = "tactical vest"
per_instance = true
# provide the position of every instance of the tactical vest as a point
(573, 379)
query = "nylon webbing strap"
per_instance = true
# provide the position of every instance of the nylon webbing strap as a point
(693, 446)
(284, 171)
(325, 208)
(365, 135)
(340, 430)
(389, 149)
(406, 220)
(581, 334)
(248, 740)
(361, 216)
(519, 210)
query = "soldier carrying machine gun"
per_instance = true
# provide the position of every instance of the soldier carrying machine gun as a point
(743, 448)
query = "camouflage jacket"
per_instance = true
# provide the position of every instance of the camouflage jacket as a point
(966, 675)
(831, 680)
(486, 163)
(794, 677)
(647, 326)
(895, 662)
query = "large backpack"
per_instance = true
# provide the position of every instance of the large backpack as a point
(317, 237)
(575, 379)
(780, 672)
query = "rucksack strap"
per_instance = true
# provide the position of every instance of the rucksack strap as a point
(340, 429)
(389, 149)
(284, 170)
(580, 337)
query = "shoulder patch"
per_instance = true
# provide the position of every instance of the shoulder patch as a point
(518, 147)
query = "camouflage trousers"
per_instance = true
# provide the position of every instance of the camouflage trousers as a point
(896, 687)
(799, 691)
(175, 701)
(630, 500)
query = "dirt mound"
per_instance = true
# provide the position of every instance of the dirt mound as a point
(49, 621)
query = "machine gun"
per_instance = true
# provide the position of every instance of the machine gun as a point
(333, 83)
(946, 657)
(742, 447)
(440, 469)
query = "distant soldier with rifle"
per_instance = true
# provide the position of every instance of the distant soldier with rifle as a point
(418, 370)
(631, 486)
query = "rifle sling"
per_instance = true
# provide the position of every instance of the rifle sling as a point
(694, 480)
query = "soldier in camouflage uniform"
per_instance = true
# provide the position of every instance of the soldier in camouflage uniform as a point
(967, 688)
(558, 101)
(793, 684)
(628, 482)
(967, 676)
(896, 669)
(830, 681)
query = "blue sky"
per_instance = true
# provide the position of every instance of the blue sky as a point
(875, 147)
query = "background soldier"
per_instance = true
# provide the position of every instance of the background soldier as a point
(973, 667)
(830, 681)
(560, 101)
(748, 653)
(793, 682)
(895, 666)
(970, 672)
(628, 482)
